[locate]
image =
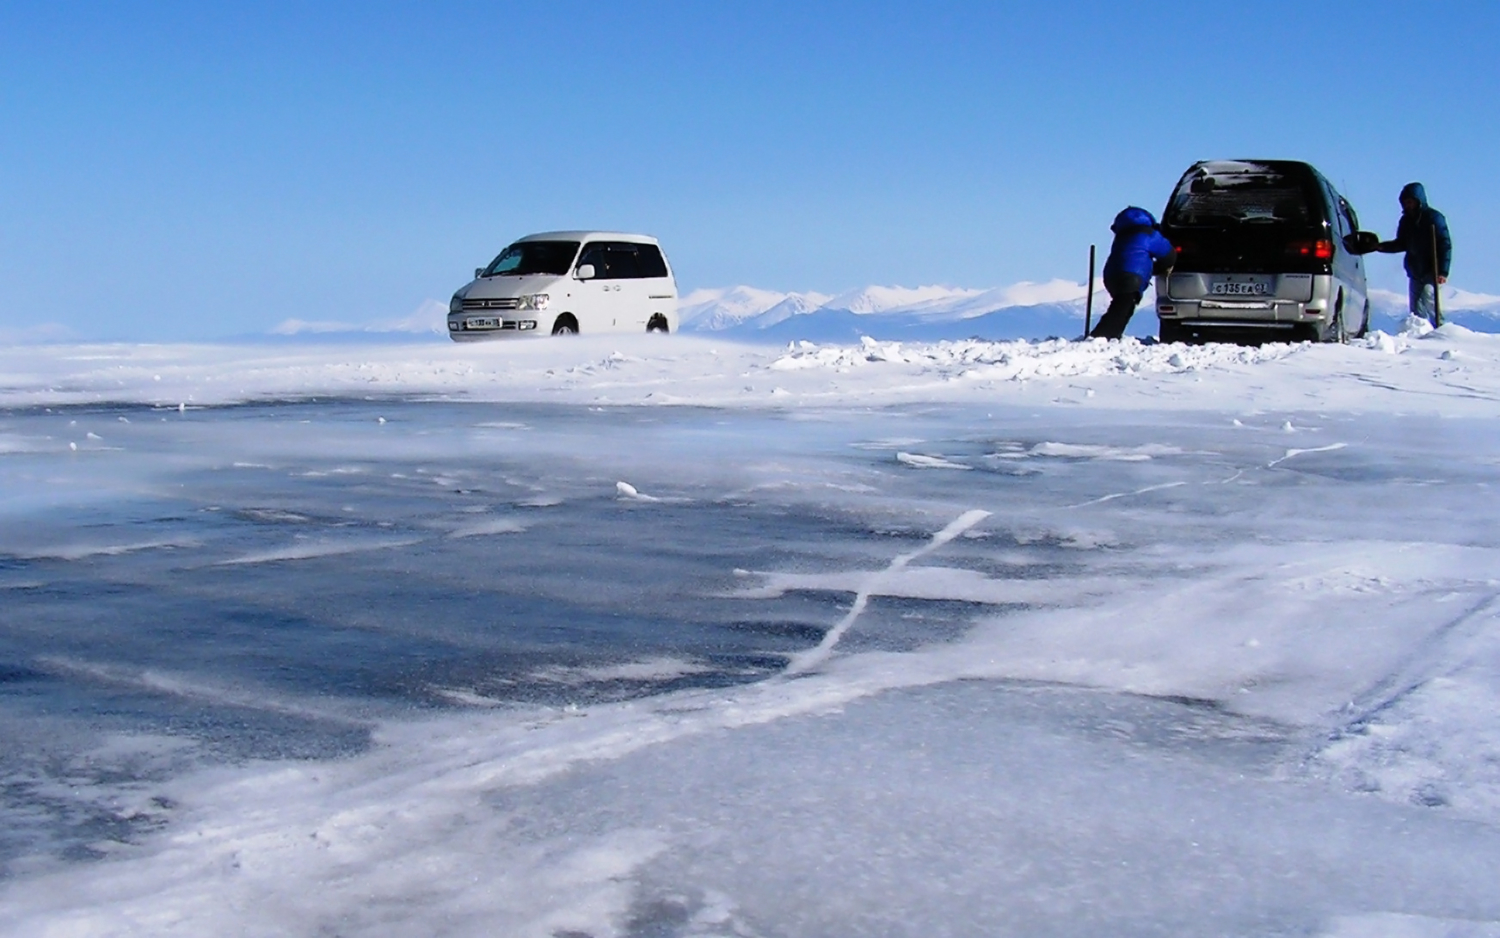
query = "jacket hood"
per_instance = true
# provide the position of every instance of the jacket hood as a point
(1131, 218)
(1416, 191)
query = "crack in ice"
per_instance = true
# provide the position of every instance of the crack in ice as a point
(1115, 495)
(815, 656)
(1298, 452)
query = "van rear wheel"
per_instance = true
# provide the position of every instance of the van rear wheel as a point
(657, 323)
(565, 325)
(1335, 331)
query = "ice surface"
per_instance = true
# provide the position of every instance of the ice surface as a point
(598, 638)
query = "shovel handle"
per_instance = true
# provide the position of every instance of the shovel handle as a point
(1437, 302)
(1088, 301)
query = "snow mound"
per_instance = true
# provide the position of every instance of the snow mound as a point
(1020, 360)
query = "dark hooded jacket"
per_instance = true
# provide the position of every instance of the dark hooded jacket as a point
(1414, 237)
(1137, 246)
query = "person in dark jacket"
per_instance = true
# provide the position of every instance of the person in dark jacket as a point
(1420, 224)
(1139, 250)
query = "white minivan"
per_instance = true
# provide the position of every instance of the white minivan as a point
(566, 282)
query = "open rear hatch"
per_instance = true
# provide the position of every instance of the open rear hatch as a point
(1236, 217)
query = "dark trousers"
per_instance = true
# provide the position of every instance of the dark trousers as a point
(1124, 296)
(1422, 300)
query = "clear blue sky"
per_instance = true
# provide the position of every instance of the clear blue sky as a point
(198, 170)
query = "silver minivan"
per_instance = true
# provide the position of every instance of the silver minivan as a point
(1266, 249)
(561, 282)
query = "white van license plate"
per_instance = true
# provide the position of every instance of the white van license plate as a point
(482, 322)
(1239, 289)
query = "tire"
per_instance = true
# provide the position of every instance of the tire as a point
(1335, 331)
(657, 323)
(1364, 324)
(1169, 332)
(565, 325)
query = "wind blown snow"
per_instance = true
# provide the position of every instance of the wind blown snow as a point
(1452, 364)
(1037, 637)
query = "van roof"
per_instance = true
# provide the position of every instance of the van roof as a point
(587, 235)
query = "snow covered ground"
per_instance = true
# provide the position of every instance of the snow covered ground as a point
(661, 636)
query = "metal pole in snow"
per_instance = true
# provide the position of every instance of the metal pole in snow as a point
(1437, 304)
(1088, 303)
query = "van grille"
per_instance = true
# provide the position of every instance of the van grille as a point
(507, 302)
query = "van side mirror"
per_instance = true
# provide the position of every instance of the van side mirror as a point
(585, 272)
(478, 272)
(1362, 242)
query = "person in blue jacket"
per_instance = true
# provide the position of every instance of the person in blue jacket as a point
(1419, 224)
(1139, 250)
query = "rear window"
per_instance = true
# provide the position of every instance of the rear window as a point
(1235, 193)
(623, 260)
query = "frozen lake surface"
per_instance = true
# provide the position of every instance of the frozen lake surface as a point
(410, 666)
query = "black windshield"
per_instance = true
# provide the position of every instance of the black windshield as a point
(533, 257)
(1244, 194)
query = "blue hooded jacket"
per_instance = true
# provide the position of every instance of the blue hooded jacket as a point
(1137, 246)
(1414, 237)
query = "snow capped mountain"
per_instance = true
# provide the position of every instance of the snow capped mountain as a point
(1477, 311)
(717, 309)
(1024, 310)
(1021, 310)
(898, 299)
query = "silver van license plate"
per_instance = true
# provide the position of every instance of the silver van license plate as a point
(1238, 289)
(482, 322)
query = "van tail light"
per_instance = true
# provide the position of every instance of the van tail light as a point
(1322, 249)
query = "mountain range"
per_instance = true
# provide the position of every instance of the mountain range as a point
(1023, 310)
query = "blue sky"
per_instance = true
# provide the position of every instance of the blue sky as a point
(190, 170)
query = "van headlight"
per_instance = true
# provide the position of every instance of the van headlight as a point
(456, 305)
(534, 301)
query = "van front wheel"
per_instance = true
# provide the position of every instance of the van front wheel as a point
(565, 325)
(657, 323)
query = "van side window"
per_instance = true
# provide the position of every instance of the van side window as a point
(623, 260)
(1349, 214)
(608, 264)
(650, 260)
(1340, 219)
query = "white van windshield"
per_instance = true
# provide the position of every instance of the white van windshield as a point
(533, 257)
